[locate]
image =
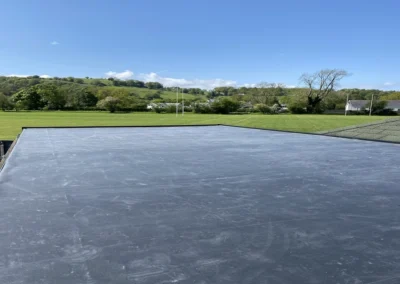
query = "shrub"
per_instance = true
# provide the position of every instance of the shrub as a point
(263, 108)
(296, 109)
(225, 105)
(340, 106)
(318, 109)
(202, 108)
(110, 103)
(158, 109)
(385, 112)
(5, 102)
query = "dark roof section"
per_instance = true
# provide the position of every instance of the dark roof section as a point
(392, 104)
(359, 103)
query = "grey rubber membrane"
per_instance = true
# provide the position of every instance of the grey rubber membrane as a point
(212, 204)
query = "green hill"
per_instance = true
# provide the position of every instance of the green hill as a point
(12, 85)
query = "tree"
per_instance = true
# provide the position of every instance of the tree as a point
(84, 99)
(28, 99)
(5, 103)
(51, 97)
(152, 96)
(263, 108)
(98, 83)
(117, 82)
(135, 83)
(320, 85)
(212, 94)
(377, 106)
(266, 93)
(79, 81)
(110, 103)
(392, 96)
(225, 91)
(225, 105)
(154, 85)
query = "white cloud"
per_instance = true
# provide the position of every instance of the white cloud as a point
(387, 84)
(54, 43)
(185, 83)
(17, 75)
(24, 76)
(247, 85)
(255, 85)
(127, 74)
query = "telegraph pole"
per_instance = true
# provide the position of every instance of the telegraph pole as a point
(177, 98)
(183, 105)
(370, 107)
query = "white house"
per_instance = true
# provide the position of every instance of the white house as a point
(357, 105)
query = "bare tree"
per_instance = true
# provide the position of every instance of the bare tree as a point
(266, 93)
(320, 85)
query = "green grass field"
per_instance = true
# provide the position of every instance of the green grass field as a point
(11, 122)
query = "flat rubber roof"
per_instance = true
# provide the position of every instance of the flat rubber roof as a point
(211, 204)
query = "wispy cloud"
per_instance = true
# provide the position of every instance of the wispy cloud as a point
(54, 43)
(125, 75)
(388, 84)
(247, 85)
(17, 75)
(24, 76)
(207, 84)
(187, 83)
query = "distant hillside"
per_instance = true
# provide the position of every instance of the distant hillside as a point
(12, 85)
(35, 93)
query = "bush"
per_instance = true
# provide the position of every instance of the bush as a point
(202, 108)
(225, 105)
(188, 109)
(243, 111)
(263, 108)
(152, 96)
(158, 109)
(5, 102)
(296, 109)
(110, 103)
(357, 112)
(318, 109)
(385, 112)
(341, 106)
(79, 81)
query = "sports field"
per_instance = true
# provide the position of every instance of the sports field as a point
(11, 122)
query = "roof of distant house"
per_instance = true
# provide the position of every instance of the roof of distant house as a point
(363, 103)
(358, 103)
(393, 104)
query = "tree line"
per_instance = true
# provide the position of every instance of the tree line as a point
(317, 94)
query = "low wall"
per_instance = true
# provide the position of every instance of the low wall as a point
(4, 146)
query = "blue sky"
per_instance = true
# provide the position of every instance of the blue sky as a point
(201, 42)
